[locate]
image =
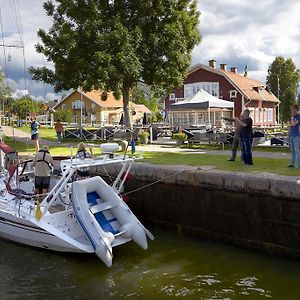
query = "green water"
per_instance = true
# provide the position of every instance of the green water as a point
(174, 267)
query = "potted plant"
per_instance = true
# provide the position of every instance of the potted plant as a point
(179, 137)
(143, 137)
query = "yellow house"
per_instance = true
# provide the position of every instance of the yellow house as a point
(88, 108)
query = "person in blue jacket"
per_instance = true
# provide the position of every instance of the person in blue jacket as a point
(294, 136)
(35, 133)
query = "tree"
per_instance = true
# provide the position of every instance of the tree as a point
(114, 44)
(64, 115)
(143, 95)
(283, 80)
(25, 105)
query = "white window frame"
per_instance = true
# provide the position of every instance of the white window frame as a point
(172, 96)
(270, 113)
(77, 104)
(192, 89)
(233, 93)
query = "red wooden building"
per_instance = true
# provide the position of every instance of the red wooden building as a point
(231, 86)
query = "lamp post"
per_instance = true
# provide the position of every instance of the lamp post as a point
(278, 91)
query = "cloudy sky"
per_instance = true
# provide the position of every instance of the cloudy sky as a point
(236, 32)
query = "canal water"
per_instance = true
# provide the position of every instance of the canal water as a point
(174, 267)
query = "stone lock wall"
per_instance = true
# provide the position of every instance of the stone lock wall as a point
(258, 211)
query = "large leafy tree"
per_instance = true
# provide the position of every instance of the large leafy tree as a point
(141, 94)
(24, 106)
(283, 80)
(114, 44)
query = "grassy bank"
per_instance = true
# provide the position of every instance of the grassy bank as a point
(261, 164)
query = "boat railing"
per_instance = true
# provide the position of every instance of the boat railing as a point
(57, 189)
(121, 178)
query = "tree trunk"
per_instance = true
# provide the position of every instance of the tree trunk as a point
(126, 108)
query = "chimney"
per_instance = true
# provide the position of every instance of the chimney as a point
(212, 63)
(233, 70)
(223, 67)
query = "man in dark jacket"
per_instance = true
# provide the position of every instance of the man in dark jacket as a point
(246, 137)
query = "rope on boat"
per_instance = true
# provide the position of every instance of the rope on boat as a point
(154, 182)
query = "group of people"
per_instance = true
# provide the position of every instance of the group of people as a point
(43, 161)
(243, 136)
(35, 125)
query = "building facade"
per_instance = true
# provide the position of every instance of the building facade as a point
(88, 108)
(231, 86)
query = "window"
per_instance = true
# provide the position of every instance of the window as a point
(233, 94)
(261, 115)
(93, 107)
(256, 117)
(270, 115)
(172, 96)
(77, 104)
(63, 107)
(193, 88)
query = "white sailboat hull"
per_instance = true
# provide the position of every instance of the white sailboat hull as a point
(39, 234)
(77, 215)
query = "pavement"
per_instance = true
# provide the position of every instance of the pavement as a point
(163, 145)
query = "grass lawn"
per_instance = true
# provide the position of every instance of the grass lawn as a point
(49, 134)
(28, 148)
(44, 132)
(228, 147)
(261, 164)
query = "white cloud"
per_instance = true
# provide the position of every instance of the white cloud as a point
(240, 32)
(236, 32)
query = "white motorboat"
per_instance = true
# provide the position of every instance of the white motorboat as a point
(77, 215)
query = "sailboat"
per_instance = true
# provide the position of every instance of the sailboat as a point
(84, 215)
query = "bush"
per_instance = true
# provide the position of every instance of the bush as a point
(180, 136)
(64, 115)
(143, 134)
(143, 137)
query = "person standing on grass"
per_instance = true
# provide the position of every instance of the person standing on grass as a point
(246, 137)
(35, 133)
(58, 129)
(236, 137)
(294, 136)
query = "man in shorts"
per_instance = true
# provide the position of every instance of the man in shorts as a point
(35, 133)
(42, 162)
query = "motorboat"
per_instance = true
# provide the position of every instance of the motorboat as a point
(84, 215)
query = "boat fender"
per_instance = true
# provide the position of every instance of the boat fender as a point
(127, 229)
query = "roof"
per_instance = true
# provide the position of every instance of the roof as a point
(141, 108)
(95, 96)
(250, 88)
(111, 101)
(203, 100)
